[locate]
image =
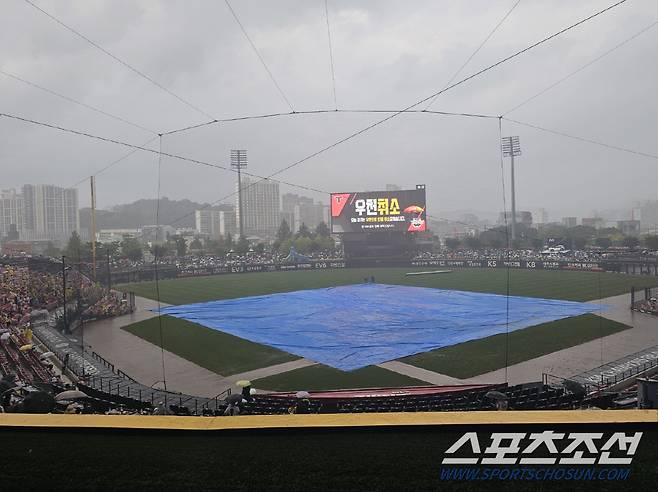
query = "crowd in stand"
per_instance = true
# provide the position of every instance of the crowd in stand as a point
(208, 261)
(108, 306)
(516, 254)
(22, 290)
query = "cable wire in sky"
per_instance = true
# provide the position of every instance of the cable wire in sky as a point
(445, 89)
(113, 163)
(324, 111)
(581, 68)
(262, 61)
(119, 60)
(583, 139)
(468, 60)
(74, 101)
(331, 52)
(153, 151)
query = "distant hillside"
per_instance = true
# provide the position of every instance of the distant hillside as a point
(142, 212)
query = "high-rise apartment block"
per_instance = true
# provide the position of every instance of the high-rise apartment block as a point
(215, 223)
(298, 210)
(261, 207)
(41, 212)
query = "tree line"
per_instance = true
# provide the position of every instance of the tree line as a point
(578, 237)
(304, 241)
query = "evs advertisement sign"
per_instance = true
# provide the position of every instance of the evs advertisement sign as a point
(401, 211)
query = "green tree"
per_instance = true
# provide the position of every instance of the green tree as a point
(472, 242)
(303, 231)
(242, 246)
(325, 243)
(452, 243)
(132, 249)
(112, 247)
(651, 241)
(196, 244)
(494, 238)
(603, 242)
(322, 230)
(180, 244)
(160, 250)
(303, 244)
(260, 248)
(284, 231)
(579, 242)
(631, 242)
(74, 247)
(52, 251)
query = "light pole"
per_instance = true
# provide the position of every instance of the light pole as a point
(66, 323)
(239, 161)
(512, 148)
(109, 273)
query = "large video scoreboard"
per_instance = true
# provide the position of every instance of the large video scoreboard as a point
(372, 211)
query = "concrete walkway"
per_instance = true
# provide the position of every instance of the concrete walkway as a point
(272, 370)
(142, 360)
(420, 373)
(584, 357)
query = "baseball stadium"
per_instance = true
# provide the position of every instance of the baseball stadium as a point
(361, 305)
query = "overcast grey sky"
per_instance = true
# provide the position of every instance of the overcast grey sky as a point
(387, 55)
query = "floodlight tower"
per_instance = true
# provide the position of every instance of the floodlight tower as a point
(239, 161)
(511, 149)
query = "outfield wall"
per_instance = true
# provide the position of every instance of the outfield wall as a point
(147, 274)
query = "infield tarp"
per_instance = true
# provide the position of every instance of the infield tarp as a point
(354, 326)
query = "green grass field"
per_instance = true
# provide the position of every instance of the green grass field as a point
(475, 357)
(227, 355)
(567, 285)
(320, 377)
(216, 351)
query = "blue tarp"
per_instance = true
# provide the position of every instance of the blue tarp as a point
(354, 326)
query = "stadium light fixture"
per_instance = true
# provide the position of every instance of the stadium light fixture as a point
(239, 162)
(511, 147)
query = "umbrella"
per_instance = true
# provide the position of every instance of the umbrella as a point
(4, 337)
(26, 347)
(302, 394)
(71, 395)
(243, 383)
(496, 395)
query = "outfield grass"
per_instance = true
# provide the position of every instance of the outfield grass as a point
(320, 377)
(567, 285)
(216, 351)
(480, 356)
(226, 354)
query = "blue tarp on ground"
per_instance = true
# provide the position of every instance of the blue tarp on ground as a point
(354, 326)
